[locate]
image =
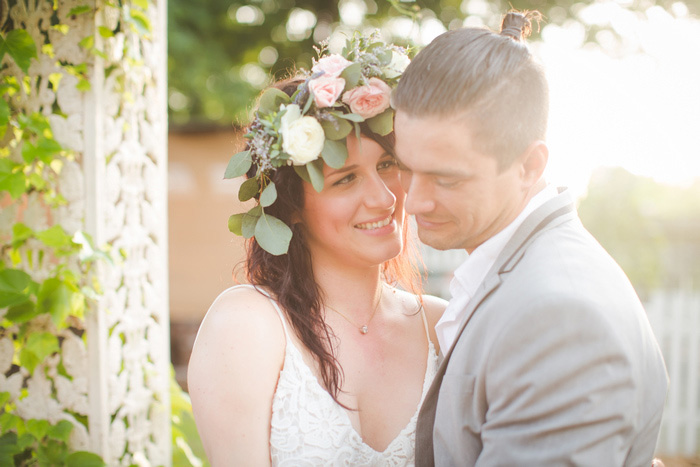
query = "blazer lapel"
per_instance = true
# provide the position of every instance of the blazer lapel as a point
(552, 213)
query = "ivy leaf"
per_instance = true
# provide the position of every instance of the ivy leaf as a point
(235, 222)
(21, 313)
(248, 189)
(38, 428)
(334, 153)
(59, 299)
(8, 448)
(36, 349)
(141, 21)
(271, 100)
(336, 129)
(14, 287)
(79, 10)
(315, 169)
(141, 3)
(238, 165)
(12, 180)
(383, 123)
(45, 150)
(250, 219)
(273, 235)
(84, 459)
(105, 32)
(55, 237)
(20, 234)
(60, 431)
(4, 112)
(20, 45)
(269, 195)
(352, 75)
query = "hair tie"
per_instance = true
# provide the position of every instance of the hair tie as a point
(514, 32)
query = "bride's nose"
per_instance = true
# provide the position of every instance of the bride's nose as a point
(377, 194)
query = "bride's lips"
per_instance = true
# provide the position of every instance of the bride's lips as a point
(378, 225)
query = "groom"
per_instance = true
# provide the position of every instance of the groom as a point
(548, 355)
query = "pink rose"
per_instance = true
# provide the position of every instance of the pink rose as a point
(369, 100)
(332, 65)
(326, 90)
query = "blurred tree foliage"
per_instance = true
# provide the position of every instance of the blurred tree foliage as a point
(223, 52)
(651, 229)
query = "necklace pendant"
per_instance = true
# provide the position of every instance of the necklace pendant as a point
(364, 329)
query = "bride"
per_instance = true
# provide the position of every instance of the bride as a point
(325, 357)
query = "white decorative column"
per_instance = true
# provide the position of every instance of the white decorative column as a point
(125, 168)
(116, 190)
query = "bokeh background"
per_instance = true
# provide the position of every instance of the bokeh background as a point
(624, 135)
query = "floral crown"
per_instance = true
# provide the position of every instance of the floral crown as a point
(310, 127)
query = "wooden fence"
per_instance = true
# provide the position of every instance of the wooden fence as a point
(675, 318)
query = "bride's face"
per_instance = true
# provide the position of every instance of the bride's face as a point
(358, 216)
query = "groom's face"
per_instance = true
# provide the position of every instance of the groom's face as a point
(459, 196)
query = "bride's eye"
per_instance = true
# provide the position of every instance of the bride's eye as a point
(346, 179)
(387, 164)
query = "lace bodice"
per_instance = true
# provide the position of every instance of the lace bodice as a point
(310, 429)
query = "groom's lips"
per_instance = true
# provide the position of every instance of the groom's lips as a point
(427, 223)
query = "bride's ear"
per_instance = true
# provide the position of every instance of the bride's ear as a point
(533, 162)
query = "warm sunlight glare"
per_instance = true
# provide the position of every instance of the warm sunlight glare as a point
(633, 101)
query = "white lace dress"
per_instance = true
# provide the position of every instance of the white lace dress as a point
(310, 429)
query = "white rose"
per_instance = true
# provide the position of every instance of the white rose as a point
(293, 112)
(398, 64)
(302, 139)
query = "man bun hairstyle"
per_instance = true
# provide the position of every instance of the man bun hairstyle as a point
(489, 79)
(518, 25)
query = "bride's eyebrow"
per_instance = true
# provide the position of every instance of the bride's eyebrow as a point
(344, 169)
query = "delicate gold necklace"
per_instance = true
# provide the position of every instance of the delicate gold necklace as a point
(364, 329)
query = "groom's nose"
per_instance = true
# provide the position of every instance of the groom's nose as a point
(419, 198)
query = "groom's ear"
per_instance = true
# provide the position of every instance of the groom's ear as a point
(533, 162)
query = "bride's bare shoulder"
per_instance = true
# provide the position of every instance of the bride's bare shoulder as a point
(243, 316)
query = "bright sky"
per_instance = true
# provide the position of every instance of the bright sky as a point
(639, 110)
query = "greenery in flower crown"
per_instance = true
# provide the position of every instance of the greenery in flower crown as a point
(310, 128)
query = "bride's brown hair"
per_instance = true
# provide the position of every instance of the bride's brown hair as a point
(290, 276)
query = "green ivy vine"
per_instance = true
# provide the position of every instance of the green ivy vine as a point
(46, 280)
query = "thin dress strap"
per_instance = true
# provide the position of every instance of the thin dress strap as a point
(425, 323)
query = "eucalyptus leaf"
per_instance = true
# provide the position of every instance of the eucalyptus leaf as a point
(337, 129)
(249, 189)
(384, 57)
(272, 235)
(352, 75)
(315, 169)
(269, 195)
(351, 116)
(303, 172)
(382, 124)
(238, 165)
(249, 220)
(335, 153)
(234, 223)
(271, 100)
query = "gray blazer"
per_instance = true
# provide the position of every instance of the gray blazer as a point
(554, 364)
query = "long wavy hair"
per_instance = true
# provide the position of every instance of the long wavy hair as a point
(290, 277)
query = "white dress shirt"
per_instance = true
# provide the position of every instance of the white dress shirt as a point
(469, 275)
